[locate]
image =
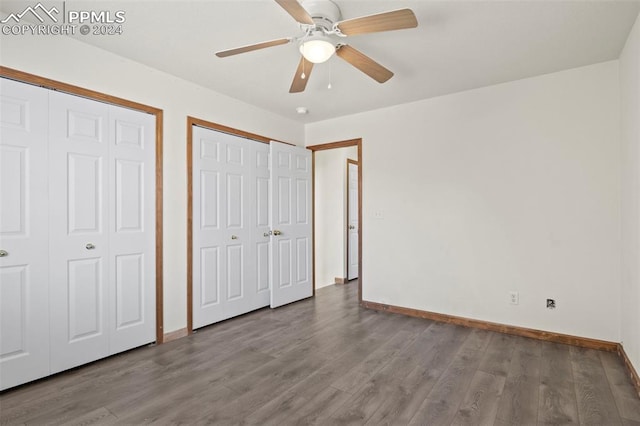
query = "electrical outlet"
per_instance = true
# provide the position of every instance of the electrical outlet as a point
(551, 303)
(514, 298)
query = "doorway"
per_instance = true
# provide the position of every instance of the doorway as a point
(327, 221)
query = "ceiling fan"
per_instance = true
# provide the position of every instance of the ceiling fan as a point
(324, 35)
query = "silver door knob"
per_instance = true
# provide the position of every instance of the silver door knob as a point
(276, 232)
(234, 237)
(90, 246)
(4, 253)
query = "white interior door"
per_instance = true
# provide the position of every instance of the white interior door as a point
(230, 220)
(24, 259)
(78, 230)
(353, 227)
(291, 243)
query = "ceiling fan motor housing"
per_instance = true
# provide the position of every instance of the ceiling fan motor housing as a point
(323, 12)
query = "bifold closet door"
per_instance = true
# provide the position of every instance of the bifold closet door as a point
(77, 231)
(230, 226)
(24, 255)
(102, 230)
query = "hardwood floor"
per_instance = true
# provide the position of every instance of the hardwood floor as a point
(327, 361)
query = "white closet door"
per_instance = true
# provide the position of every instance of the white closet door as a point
(24, 292)
(225, 210)
(132, 275)
(79, 239)
(291, 217)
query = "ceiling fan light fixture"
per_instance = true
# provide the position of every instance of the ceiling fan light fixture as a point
(317, 49)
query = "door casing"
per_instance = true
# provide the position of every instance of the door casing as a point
(335, 145)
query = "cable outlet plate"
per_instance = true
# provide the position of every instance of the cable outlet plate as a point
(514, 298)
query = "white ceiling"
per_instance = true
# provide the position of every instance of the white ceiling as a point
(458, 45)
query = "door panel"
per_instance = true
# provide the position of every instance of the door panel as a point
(209, 199)
(84, 189)
(14, 311)
(284, 270)
(284, 200)
(302, 257)
(24, 281)
(13, 176)
(235, 210)
(302, 202)
(291, 242)
(130, 291)
(209, 276)
(85, 293)
(129, 196)
(84, 126)
(262, 270)
(235, 276)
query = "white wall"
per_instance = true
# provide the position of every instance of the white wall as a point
(509, 187)
(331, 213)
(70, 61)
(630, 123)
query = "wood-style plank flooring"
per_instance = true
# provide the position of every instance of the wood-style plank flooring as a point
(327, 361)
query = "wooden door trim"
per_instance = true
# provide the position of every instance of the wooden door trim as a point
(193, 121)
(59, 86)
(323, 147)
(232, 131)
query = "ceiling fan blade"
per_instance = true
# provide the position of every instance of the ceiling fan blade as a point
(298, 12)
(249, 48)
(387, 21)
(299, 83)
(364, 63)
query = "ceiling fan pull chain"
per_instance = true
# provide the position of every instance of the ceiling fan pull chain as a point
(330, 75)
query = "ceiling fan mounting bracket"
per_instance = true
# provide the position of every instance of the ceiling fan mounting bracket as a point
(324, 13)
